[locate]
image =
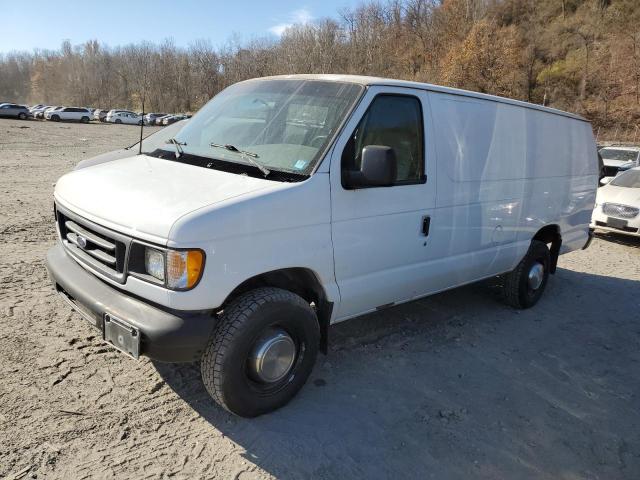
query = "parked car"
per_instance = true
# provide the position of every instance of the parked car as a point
(158, 120)
(149, 118)
(68, 114)
(617, 158)
(238, 245)
(618, 204)
(38, 112)
(35, 107)
(117, 110)
(174, 118)
(129, 118)
(14, 111)
(100, 115)
(49, 109)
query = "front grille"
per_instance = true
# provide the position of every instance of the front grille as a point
(98, 248)
(619, 211)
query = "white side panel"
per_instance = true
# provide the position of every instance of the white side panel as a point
(508, 171)
(481, 152)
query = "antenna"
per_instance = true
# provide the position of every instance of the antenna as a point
(141, 123)
(144, 96)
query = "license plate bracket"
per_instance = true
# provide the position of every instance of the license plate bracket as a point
(616, 223)
(121, 335)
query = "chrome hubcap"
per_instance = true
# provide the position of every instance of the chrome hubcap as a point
(536, 275)
(272, 356)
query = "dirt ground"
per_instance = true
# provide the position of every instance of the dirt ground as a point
(453, 386)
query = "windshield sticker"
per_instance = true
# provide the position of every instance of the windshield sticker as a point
(300, 164)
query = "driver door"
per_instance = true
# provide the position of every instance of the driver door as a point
(382, 235)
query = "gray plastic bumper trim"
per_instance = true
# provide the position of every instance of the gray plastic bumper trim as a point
(167, 336)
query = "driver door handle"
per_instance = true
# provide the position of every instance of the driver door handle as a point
(426, 224)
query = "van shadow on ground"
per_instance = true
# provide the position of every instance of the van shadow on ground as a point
(458, 386)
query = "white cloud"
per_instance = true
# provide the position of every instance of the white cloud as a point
(301, 17)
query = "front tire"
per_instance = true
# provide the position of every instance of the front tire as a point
(84, 119)
(261, 351)
(22, 116)
(118, 120)
(524, 286)
(55, 118)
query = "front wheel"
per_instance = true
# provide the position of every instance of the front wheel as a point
(118, 120)
(261, 352)
(55, 118)
(22, 116)
(84, 119)
(524, 286)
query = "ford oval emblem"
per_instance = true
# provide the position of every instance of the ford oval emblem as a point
(82, 242)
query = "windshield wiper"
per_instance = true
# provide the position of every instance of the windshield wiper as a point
(178, 144)
(249, 156)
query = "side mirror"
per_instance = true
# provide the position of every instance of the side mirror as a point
(605, 180)
(378, 168)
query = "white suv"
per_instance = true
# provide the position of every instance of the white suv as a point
(73, 114)
(129, 118)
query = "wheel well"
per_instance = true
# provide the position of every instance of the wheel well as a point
(302, 282)
(550, 234)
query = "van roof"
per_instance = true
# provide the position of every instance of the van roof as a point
(369, 81)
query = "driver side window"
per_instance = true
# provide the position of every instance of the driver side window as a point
(393, 121)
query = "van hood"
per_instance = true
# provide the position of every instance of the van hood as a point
(144, 196)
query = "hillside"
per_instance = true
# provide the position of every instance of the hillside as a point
(577, 55)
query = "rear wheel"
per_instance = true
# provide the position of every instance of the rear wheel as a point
(261, 352)
(524, 286)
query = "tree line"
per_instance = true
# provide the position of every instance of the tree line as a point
(577, 55)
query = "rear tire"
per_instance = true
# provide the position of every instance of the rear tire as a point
(230, 372)
(524, 286)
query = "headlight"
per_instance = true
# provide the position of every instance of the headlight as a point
(154, 263)
(177, 269)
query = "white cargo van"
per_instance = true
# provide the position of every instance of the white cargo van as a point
(291, 203)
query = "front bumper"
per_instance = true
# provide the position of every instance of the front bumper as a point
(165, 335)
(600, 221)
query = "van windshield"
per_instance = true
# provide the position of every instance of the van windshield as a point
(284, 124)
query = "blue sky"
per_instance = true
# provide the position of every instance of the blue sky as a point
(29, 24)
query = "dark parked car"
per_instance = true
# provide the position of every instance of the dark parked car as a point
(150, 118)
(14, 111)
(174, 118)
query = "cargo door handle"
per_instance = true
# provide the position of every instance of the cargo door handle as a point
(426, 224)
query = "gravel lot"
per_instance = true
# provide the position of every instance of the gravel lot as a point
(453, 386)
